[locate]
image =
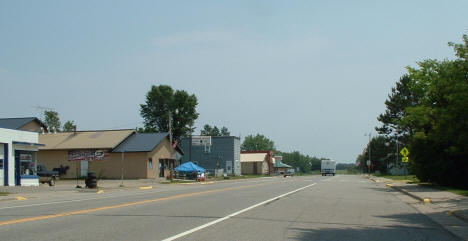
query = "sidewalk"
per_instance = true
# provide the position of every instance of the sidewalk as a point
(444, 201)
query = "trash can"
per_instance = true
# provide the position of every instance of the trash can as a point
(91, 180)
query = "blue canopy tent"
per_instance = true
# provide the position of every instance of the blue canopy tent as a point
(190, 167)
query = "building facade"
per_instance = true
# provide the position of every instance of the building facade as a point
(109, 154)
(18, 158)
(257, 162)
(223, 153)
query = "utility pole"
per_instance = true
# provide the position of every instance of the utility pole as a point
(369, 150)
(170, 124)
(190, 142)
(170, 128)
(122, 165)
(396, 156)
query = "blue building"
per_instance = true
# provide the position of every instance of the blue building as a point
(224, 153)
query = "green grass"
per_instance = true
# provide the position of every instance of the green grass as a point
(458, 191)
(415, 180)
(4, 194)
(462, 192)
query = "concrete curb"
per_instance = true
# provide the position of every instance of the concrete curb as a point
(428, 200)
(460, 216)
(407, 193)
(145, 187)
(7, 199)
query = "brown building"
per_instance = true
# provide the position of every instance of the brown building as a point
(257, 162)
(105, 152)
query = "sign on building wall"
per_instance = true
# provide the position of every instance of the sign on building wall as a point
(88, 155)
(201, 140)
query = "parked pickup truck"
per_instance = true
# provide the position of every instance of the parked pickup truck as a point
(289, 172)
(46, 176)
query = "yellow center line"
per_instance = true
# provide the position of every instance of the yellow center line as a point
(92, 210)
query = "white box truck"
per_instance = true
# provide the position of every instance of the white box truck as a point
(328, 167)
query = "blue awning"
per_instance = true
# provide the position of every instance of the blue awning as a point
(27, 143)
(190, 167)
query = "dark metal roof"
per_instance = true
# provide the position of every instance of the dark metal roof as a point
(16, 123)
(140, 142)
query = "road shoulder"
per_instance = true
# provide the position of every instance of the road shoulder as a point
(445, 208)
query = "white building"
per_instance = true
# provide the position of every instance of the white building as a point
(18, 157)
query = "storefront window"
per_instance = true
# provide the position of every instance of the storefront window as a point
(27, 163)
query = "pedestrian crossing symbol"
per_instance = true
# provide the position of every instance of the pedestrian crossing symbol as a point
(404, 152)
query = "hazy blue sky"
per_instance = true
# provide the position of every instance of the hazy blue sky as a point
(310, 75)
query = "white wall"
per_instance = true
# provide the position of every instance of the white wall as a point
(8, 136)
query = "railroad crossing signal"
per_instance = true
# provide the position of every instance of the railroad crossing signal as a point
(405, 159)
(404, 152)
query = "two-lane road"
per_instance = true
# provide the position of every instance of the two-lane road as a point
(298, 208)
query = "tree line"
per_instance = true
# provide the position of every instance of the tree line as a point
(305, 163)
(166, 108)
(427, 112)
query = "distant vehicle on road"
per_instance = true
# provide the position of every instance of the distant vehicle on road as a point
(328, 167)
(46, 176)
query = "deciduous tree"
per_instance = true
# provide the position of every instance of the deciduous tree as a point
(69, 126)
(161, 105)
(257, 143)
(52, 120)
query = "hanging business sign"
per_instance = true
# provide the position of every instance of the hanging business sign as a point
(25, 157)
(88, 155)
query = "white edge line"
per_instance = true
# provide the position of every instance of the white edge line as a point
(232, 215)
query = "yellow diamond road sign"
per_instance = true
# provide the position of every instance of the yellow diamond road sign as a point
(404, 151)
(405, 159)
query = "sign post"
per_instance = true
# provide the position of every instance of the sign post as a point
(405, 153)
(368, 166)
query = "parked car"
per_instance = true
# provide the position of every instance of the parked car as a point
(289, 172)
(46, 176)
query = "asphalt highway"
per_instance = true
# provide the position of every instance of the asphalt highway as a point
(298, 208)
